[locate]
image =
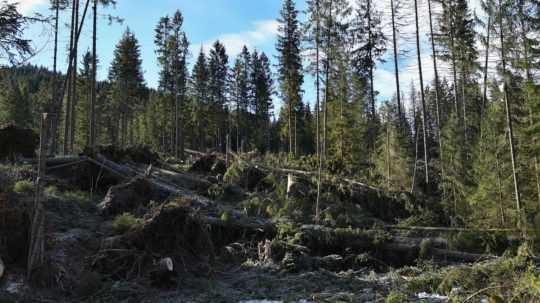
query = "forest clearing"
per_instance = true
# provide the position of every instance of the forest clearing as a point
(279, 162)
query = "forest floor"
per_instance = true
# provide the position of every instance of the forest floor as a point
(215, 233)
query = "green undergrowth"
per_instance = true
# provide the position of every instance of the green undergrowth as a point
(24, 187)
(79, 197)
(125, 222)
(512, 278)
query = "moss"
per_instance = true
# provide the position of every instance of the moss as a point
(24, 187)
(426, 247)
(125, 222)
(79, 197)
(225, 217)
(52, 191)
(396, 297)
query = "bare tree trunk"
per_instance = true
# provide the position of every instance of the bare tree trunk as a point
(74, 98)
(73, 57)
(317, 79)
(388, 166)
(509, 121)
(415, 127)
(499, 186)
(396, 59)
(54, 135)
(93, 85)
(486, 66)
(371, 63)
(36, 249)
(437, 94)
(422, 94)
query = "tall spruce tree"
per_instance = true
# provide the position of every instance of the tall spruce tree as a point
(290, 74)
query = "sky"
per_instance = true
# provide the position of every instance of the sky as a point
(234, 22)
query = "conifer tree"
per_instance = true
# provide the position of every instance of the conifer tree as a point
(217, 91)
(127, 83)
(290, 74)
(199, 111)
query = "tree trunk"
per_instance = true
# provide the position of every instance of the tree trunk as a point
(509, 121)
(54, 135)
(317, 79)
(74, 98)
(415, 127)
(486, 66)
(371, 64)
(396, 58)
(422, 95)
(437, 94)
(93, 85)
(36, 249)
(72, 58)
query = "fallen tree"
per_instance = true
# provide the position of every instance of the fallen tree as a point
(324, 241)
(175, 230)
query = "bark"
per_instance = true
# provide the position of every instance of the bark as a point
(509, 121)
(422, 94)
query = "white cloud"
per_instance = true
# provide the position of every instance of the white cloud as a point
(26, 6)
(263, 32)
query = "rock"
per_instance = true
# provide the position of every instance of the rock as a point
(16, 141)
(126, 197)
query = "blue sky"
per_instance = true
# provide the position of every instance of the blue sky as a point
(234, 22)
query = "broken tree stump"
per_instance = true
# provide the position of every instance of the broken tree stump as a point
(162, 271)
